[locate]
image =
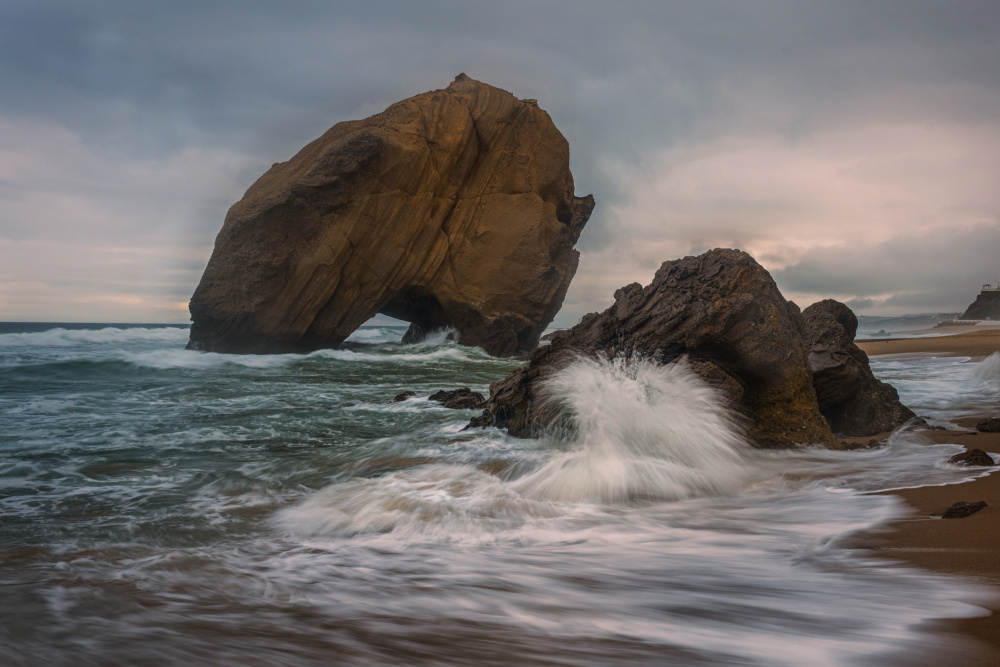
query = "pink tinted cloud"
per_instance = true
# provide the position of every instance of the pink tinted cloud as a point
(784, 200)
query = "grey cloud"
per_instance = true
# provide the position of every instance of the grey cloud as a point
(862, 304)
(623, 81)
(940, 271)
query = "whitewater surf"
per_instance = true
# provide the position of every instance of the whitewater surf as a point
(173, 507)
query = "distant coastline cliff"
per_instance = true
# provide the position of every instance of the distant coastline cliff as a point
(986, 306)
(454, 208)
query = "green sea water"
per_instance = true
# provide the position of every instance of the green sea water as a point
(164, 506)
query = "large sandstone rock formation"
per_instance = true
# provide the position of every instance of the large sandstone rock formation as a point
(452, 208)
(725, 313)
(850, 397)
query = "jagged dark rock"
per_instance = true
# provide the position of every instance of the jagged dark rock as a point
(454, 208)
(962, 509)
(973, 457)
(403, 395)
(724, 313)
(853, 401)
(991, 425)
(460, 399)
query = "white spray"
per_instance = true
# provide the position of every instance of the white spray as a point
(642, 431)
(437, 337)
(988, 369)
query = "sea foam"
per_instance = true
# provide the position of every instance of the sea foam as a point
(441, 336)
(641, 430)
(59, 337)
(988, 369)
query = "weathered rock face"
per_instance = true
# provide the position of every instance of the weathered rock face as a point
(725, 313)
(452, 208)
(985, 307)
(850, 397)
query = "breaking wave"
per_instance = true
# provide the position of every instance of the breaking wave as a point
(59, 337)
(447, 501)
(988, 369)
(641, 430)
(437, 337)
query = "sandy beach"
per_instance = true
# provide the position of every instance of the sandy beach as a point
(969, 547)
(979, 343)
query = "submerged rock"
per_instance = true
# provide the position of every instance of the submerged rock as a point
(972, 457)
(724, 313)
(853, 401)
(403, 395)
(459, 399)
(454, 208)
(962, 509)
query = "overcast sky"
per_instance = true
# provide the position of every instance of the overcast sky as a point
(852, 147)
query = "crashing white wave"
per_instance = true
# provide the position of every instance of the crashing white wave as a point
(438, 337)
(443, 500)
(642, 430)
(59, 337)
(988, 369)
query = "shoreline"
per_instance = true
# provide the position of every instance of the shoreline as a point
(969, 344)
(968, 548)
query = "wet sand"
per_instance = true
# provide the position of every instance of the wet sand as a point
(969, 547)
(979, 343)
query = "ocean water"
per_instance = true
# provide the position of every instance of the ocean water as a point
(160, 506)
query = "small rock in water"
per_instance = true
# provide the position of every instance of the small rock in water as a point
(403, 396)
(459, 399)
(483, 421)
(962, 509)
(973, 457)
(991, 425)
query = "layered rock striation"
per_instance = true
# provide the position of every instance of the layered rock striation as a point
(853, 401)
(724, 313)
(454, 208)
